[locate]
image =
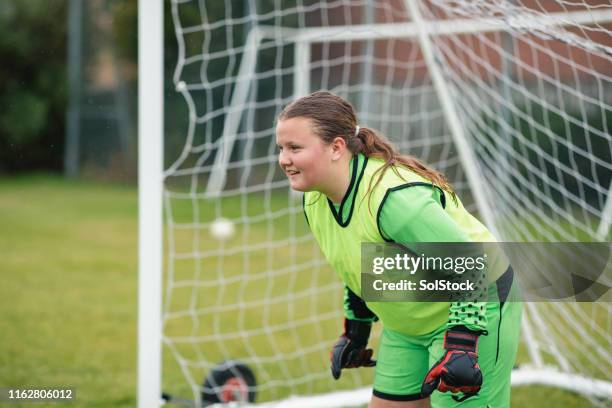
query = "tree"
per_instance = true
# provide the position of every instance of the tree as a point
(32, 84)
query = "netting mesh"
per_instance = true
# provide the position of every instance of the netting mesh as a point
(531, 85)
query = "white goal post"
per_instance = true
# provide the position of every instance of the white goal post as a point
(150, 186)
(512, 92)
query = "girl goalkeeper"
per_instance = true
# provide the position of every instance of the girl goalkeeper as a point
(358, 188)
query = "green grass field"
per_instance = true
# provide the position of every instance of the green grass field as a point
(68, 293)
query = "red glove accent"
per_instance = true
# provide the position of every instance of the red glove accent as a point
(458, 369)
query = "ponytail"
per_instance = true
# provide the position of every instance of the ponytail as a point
(374, 145)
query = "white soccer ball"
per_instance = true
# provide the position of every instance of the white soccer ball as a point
(222, 228)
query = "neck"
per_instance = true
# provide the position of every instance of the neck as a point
(340, 179)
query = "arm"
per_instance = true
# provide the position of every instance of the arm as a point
(416, 214)
(356, 309)
(350, 351)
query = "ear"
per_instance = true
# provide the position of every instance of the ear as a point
(338, 146)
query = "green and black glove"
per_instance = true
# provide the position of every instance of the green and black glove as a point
(350, 351)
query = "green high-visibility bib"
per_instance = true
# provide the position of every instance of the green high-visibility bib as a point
(340, 232)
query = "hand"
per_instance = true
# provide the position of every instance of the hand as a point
(350, 351)
(458, 369)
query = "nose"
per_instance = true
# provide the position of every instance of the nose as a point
(283, 159)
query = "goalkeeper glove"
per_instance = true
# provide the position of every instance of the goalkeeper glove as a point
(458, 369)
(350, 351)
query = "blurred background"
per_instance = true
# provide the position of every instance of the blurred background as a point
(68, 88)
(68, 208)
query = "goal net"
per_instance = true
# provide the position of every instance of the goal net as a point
(512, 100)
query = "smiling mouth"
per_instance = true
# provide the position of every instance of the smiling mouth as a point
(291, 173)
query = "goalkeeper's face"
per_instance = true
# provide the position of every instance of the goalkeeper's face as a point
(303, 156)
